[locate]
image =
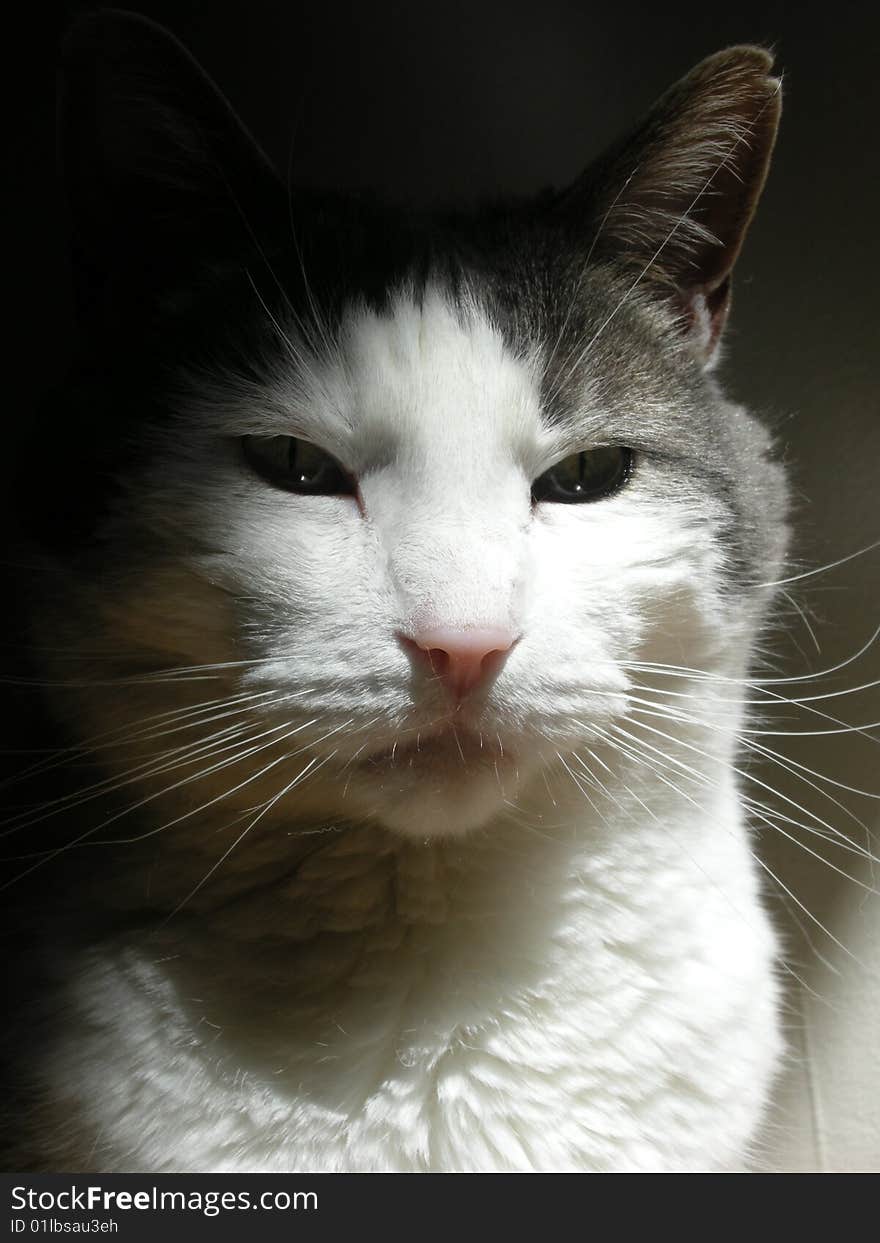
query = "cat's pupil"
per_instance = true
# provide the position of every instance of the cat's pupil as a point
(587, 476)
(306, 464)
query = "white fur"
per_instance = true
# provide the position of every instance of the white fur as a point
(499, 965)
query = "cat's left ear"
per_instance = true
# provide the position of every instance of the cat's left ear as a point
(673, 201)
(159, 170)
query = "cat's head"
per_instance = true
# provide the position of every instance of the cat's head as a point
(419, 494)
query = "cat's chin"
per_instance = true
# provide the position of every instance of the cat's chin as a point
(438, 815)
(442, 785)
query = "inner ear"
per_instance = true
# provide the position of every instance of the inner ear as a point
(703, 315)
(673, 201)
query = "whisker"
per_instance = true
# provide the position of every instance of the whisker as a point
(747, 776)
(838, 839)
(686, 671)
(793, 896)
(803, 616)
(822, 569)
(83, 837)
(809, 914)
(299, 777)
(221, 741)
(783, 733)
(580, 787)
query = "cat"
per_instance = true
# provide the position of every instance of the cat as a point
(378, 552)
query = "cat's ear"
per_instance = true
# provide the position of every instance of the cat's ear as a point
(675, 198)
(157, 166)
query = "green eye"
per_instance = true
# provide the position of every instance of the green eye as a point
(297, 465)
(587, 476)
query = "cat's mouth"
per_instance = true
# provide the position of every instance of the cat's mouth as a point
(446, 748)
(443, 780)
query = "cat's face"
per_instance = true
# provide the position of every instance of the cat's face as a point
(324, 598)
(452, 616)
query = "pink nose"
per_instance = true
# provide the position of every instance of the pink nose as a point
(462, 658)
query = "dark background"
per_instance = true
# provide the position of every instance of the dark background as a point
(455, 101)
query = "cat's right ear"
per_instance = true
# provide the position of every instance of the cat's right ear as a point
(673, 200)
(158, 169)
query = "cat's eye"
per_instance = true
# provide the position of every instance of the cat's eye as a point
(297, 465)
(587, 476)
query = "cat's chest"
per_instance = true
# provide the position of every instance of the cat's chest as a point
(431, 1009)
